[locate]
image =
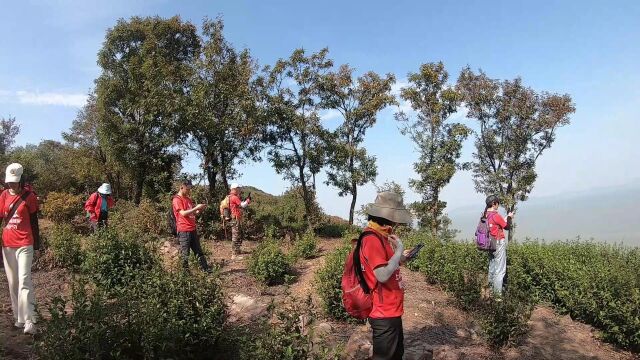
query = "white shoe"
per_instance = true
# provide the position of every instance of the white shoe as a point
(237, 257)
(18, 325)
(30, 328)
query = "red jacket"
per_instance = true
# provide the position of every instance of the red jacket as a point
(94, 204)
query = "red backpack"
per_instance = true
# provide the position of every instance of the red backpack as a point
(356, 294)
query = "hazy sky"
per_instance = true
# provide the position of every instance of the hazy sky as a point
(589, 49)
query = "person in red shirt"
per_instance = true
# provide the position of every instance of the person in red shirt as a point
(18, 209)
(185, 214)
(498, 258)
(381, 254)
(98, 206)
(236, 205)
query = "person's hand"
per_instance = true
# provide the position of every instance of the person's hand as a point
(510, 215)
(200, 207)
(405, 256)
(396, 242)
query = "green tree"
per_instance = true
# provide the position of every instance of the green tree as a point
(222, 124)
(142, 94)
(516, 125)
(437, 139)
(93, 164)
(359, 102)
(9, 129)
(50, 166)
(291, 105)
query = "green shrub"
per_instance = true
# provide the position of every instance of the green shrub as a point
(328, 280)
(333, 227)
(268, 264)
(146, 219)
(62, 207)
(113, 259)
(306, 247)
(65, 247)
(159, 315)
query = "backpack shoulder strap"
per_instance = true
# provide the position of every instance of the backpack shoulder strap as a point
(356, 259)
(14, 207)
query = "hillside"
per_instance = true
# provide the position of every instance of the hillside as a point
(432, 322)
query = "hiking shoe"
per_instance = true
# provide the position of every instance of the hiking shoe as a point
(18, 325)
(30, 328)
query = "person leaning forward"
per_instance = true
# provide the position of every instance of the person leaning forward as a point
(381, 256)
(185, 214)
(98, 206)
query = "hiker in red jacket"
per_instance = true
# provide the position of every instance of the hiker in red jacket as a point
(98, 206)
(381, 254)
(18, 209)
(498, 258)
(236, 205)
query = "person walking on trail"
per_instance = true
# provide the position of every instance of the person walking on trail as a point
(498, 258)
(236, 204)
(185, 214)
(98, 206)
(381, 255)
(18, 209)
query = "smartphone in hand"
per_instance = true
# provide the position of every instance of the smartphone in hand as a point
(414, 252)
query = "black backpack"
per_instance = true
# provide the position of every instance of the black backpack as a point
(171, 220)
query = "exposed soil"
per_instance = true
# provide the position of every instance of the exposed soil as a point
(431, 321)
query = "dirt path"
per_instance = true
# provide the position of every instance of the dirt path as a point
(431, 320)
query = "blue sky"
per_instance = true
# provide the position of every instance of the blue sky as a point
(589, 49)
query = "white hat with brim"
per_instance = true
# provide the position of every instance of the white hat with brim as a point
(235, 186)
(388, 205)
(105, 189)
(13, 173)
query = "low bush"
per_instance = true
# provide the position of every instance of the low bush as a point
(306, 247)
(159, 315)
(328, 280)
(61, 207)
(146, 219)
(113, 259)
(65, 247)
(268, 263)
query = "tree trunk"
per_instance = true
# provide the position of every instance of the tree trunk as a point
(354, 192)
(211, 179)
(137, 196)
(305, 195)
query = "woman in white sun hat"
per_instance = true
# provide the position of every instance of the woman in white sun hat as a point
(98, 206)
(17, 208)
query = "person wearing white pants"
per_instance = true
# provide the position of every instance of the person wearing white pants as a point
(497, 259)
(17, 209)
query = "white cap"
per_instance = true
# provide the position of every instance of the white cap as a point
(105, 189)
(13, 173)
(235, 186)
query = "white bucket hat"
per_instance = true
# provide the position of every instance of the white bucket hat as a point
(105, 189)
(235, 186)
(388, 205)
(13, 173)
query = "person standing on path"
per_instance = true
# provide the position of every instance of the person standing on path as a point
(98, 206)
(498, 258)
(18, 209)
(185, 214)
(381, 255)
(236, 205)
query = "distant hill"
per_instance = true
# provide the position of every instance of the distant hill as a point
(604, 214)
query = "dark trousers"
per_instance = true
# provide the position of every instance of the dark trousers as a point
(388, 338)
(191, 241)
